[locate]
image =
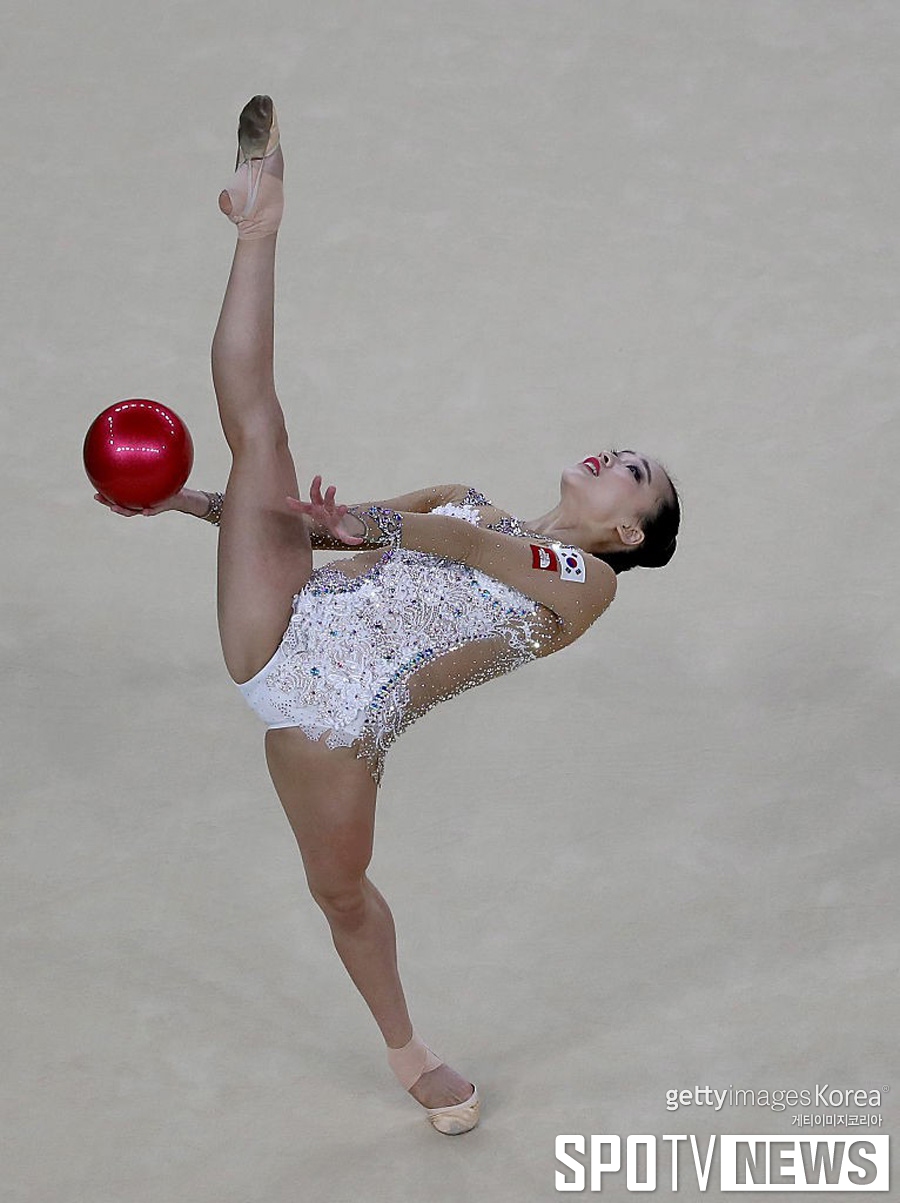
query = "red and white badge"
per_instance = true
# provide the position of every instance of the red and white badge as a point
(544, 557)
(567, 561)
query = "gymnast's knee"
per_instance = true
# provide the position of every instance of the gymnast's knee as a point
(344, 904)
(254, 434)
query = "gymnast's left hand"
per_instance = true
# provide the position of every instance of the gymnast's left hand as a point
(327, 515)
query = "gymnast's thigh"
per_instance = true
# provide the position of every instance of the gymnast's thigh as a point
(264, 555)
(328, 795)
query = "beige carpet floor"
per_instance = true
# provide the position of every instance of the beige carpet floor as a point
(517, 231)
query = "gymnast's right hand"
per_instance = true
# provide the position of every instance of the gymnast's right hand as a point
(171, 503)
(326, 515)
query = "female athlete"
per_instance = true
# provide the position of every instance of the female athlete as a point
(445, 591)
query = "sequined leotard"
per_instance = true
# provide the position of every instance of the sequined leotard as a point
(364, 656)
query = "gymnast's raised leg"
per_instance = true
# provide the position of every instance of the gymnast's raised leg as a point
(264, 554)
(264, 558)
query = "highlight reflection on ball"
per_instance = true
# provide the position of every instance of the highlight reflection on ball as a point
(137, 453)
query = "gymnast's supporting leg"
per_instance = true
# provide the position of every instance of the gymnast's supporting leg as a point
(329, 798)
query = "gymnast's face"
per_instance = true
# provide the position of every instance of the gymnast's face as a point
(612, 492)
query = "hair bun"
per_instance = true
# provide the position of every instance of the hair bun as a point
(657, 557)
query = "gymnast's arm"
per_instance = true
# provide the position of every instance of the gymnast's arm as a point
(187, 501)
(199, 504)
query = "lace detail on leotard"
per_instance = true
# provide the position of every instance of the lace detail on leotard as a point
(473, 497)
(354, 643)
(458, 510)
(512, 526)
(506, 526)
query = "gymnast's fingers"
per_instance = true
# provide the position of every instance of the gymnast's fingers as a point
(116, 509)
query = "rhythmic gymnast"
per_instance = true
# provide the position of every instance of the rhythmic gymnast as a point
(446, 591)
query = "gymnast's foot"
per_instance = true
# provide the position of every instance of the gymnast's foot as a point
(254, 197)
(441, 1087)
(451, 1102)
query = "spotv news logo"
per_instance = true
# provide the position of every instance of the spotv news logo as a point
(745, 1163)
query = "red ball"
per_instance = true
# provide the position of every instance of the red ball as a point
(137, 453)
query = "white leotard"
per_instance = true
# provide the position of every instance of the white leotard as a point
(364, 656)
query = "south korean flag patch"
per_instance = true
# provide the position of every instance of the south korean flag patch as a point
(571, 564)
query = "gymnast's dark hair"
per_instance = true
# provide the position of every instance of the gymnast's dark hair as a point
(658, 546)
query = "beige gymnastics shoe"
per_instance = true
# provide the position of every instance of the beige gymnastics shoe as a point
(254, 197)
(461, 1117)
